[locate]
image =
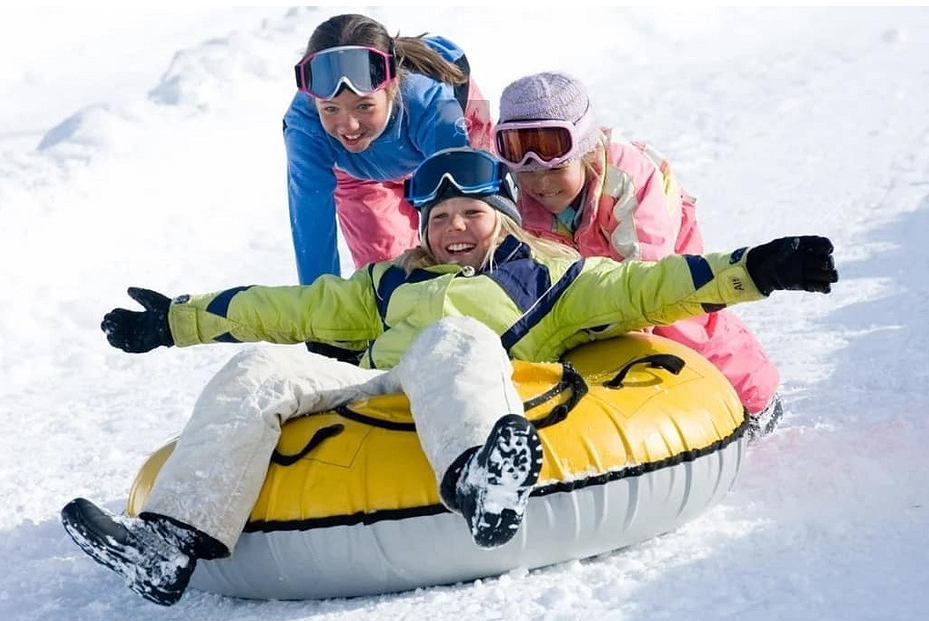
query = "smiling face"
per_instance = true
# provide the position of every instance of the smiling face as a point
(355, 120)
(553, 188)
(461, 230)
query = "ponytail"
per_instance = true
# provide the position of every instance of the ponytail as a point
(415, 55)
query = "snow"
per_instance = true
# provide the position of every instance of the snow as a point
(144, 148)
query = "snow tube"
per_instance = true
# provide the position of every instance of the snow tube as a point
(640, 434)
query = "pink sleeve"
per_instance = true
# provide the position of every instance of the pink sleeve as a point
(690, 239)
(657, 222)
(648, 222)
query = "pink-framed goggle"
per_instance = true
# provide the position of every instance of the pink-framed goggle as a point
(363, 69)
(549, 142)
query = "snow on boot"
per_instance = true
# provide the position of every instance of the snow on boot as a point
(765, 421)
(494, 485)
(154, 555)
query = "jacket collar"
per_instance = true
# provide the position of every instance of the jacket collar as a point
(511, 249)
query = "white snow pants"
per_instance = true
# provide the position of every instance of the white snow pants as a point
(456, 374)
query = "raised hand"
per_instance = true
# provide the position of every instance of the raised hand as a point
(137, 332)
(797, 263)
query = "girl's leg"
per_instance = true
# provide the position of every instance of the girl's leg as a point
(214, 475)
(206, 490)
(485, 454)
(459, 382)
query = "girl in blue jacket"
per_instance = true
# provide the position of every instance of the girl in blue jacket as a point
(370, 108)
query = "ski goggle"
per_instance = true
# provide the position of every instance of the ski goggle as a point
(548, 142)
(469, 172)
(362, 69)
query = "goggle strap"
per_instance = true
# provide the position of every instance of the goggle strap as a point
(447, 179)
(392, 58)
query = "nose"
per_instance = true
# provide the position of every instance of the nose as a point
(457, 222)
(541, 184)
(349, 124)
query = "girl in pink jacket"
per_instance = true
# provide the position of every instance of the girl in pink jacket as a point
(619, 199)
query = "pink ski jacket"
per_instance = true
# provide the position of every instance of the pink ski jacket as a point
(634, 209)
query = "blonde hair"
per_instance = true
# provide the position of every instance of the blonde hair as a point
(421, 257)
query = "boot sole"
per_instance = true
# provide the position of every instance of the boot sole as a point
(513, 439)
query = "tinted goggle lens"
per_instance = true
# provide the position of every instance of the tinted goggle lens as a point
(469, 171)
(364, 70)
(548, 144)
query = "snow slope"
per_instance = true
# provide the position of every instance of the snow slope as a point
(145, 149)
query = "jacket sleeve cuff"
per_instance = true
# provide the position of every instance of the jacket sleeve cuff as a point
(182, 319)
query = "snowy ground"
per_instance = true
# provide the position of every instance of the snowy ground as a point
(146, 150)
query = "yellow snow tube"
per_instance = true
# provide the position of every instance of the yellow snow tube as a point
(612, 412)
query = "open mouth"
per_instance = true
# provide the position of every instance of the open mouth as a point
(459, 248)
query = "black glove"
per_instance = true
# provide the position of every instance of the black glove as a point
(138, 332)
(796, 263)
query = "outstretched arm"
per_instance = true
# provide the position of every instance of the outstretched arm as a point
(635, 295)
(332, 309)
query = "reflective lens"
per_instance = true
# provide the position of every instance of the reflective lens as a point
(470, 172)
(362, 69)
(550, 142)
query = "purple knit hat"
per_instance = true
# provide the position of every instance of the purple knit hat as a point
(551, 96)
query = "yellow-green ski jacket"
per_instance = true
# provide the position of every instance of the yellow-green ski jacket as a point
(539, 307)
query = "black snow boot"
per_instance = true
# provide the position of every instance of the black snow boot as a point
(154, 554)
(494, 485)
(765, 421)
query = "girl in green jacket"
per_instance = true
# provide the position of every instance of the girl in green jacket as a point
(441, 324)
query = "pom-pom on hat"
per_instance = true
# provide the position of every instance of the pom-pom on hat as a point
(551, 96)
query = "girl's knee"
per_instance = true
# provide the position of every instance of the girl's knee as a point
(466, 327)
